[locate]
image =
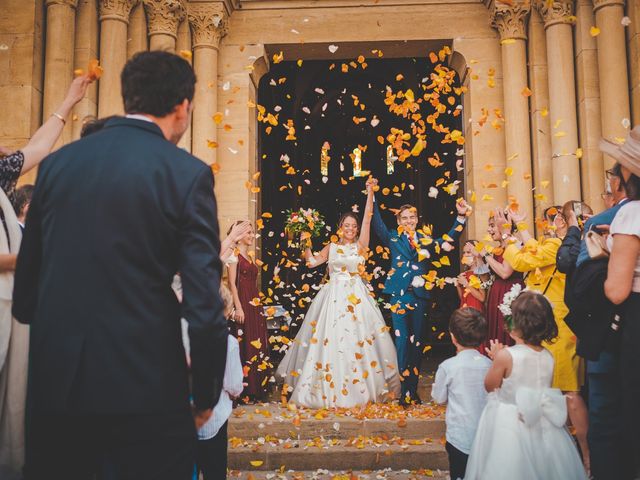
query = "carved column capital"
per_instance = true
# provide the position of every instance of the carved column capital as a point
(510, 20)
(556, 11)
(164, 16)
(598, 4)
(66, 3)
(116, 9)
(209, 23)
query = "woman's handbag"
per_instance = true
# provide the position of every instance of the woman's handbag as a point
(596, 245)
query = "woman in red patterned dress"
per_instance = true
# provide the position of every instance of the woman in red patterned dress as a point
(250, 324)
(505, 278)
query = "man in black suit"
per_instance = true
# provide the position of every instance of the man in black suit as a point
(113, 217)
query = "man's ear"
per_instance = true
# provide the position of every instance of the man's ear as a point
(182, 109)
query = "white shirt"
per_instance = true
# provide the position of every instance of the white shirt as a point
(231, 387)
(460, 383)
(627, 222)
(137, 116)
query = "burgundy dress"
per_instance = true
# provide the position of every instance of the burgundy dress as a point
(495, 319)
(254, 330)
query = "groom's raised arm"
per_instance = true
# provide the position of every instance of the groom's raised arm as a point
(202, 307)
(378, 225)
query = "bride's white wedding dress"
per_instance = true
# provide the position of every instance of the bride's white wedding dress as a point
(343, 355)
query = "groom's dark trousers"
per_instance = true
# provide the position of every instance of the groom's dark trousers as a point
(113, 217)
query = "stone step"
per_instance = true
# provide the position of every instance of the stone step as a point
(359, 456)
(423, 474)
(287, 422)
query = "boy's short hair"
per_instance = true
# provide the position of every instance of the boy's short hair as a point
(469, 326)
(404, 207)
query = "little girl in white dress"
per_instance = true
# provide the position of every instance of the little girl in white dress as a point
(522, 433)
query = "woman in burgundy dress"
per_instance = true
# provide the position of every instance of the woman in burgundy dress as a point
(505, 278)
(250, 324)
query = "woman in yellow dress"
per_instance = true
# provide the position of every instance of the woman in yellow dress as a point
(537, 258)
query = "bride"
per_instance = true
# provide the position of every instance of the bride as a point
(343, 355)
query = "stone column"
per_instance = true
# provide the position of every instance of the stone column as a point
(86, 48)
(114, 19)
(539, 103)
(183, 44)
(588, 96)
(163, 18)
(58, 60)
(137, 40)
(612, 70)
(208, 25)
(511, 23)
(557, 16)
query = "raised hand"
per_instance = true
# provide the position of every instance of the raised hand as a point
(78, 89)
(502, 222)
(463, 207)
(516, 215)
(494, 347)
(371, 184)
(239, 231)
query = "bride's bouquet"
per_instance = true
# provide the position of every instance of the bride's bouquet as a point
(305, 224)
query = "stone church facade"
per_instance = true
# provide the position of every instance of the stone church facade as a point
(549, 77)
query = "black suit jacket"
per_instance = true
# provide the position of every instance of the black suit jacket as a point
(113, 217)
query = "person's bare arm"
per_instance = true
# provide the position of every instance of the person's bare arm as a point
(365, 231)
(622, 263)
(503, 270)
(319, 258)
(500, 369)
(8, 262)
(47, 135)
(238, 315)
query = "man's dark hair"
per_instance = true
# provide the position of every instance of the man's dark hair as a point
(533, 319)
(155, 82)
(404, 207)
(469, 326)
(23, 198)
(92, 125)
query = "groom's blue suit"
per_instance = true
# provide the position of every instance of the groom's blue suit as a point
(412, 302)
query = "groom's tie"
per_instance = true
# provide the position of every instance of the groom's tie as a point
(412, 242)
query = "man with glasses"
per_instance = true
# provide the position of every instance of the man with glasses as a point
(410, 252)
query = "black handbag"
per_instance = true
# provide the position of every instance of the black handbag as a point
(592, 317)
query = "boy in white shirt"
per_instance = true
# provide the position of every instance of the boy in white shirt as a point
(459, 382)
(211, 453)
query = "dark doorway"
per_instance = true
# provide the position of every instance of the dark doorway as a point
(324, 104)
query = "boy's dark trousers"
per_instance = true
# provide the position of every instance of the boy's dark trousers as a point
(212, 455)
(457, 462)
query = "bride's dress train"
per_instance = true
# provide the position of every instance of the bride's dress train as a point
(343, 355)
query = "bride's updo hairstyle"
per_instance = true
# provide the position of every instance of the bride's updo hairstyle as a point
(533, 320)
(349, 215)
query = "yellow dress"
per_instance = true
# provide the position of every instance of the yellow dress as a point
(538, 258)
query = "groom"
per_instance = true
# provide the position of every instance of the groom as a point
(411, 251)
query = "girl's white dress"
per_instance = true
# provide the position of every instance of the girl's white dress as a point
(522, 433)
(343, 355)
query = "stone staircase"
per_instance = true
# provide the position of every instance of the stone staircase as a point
(280, 441)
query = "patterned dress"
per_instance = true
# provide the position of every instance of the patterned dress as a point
(254, 342)
(10, 169)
